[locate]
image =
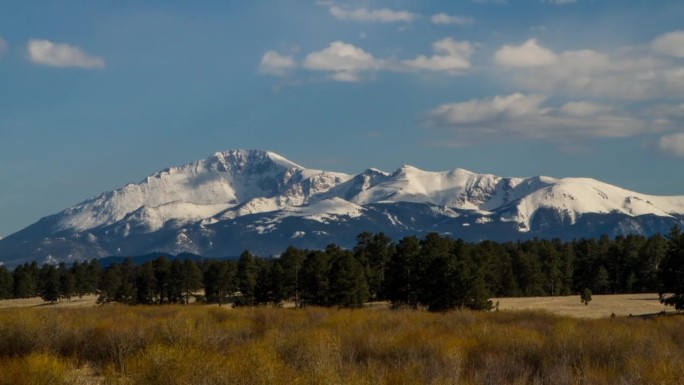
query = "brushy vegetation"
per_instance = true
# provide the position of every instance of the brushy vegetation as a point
(115, 344)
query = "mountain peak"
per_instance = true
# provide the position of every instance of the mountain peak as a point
(239, 158)
(245, 199)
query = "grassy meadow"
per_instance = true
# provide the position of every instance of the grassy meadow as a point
(600, 306)
(169, 345)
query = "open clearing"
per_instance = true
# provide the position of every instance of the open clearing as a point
(87, 300)
(601, 306)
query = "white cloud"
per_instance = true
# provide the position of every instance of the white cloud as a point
(528, 54)
(3, 47)
(443, 18)
(346, 61)
(450, 55)
(560, 2)
(629, 73)
(273, 63)
(529, 116)
(481, 111)
(672, 144)
(372, 16)
(671, 44)
(47, 53)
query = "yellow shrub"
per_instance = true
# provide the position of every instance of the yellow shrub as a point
(36, 369)
(210, 345)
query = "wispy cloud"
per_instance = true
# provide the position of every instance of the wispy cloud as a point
(531, 116)
(45, 52)
(273, 63)
(443, 18)
(365, 15)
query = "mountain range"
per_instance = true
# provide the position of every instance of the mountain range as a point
(258, 200)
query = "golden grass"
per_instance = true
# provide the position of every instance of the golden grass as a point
(86, 301)
(601, 306)
(185, 345)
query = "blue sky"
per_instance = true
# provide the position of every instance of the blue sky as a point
(94, 95)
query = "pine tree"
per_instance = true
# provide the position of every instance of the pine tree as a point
(348, 284)
(277, 279)
(81, 284)
(373, 251)
(126, 290)
(315, 279)
(191, 279)
(651, 255)
(262, 286)
(551, 268)
(93, 275)
(219, 280)
(175, 288)
(6, 283)
(291, 262)
(402, 278)
(508, 285)
(25, 282)
(567, 268)
(672, 270)
(528, 270)
(49, 277)
(247, 270)
(110, 284)
(601, 280)
(146, 285)
(67, 283)
(162, 275)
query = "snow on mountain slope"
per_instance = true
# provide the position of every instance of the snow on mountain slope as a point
(251, 199)
(519, 199)
(576, 196)
(325, 210)
(236, 183)
(457, 188)
(180, 212)
(204, 188)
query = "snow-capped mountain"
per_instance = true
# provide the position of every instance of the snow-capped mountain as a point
(258, 200)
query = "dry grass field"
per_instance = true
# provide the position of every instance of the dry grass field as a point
(86, 301)
(601, 306)
(184, 345)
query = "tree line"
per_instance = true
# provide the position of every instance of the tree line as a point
(434, 272)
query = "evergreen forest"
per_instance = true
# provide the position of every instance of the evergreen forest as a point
(435, 272)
